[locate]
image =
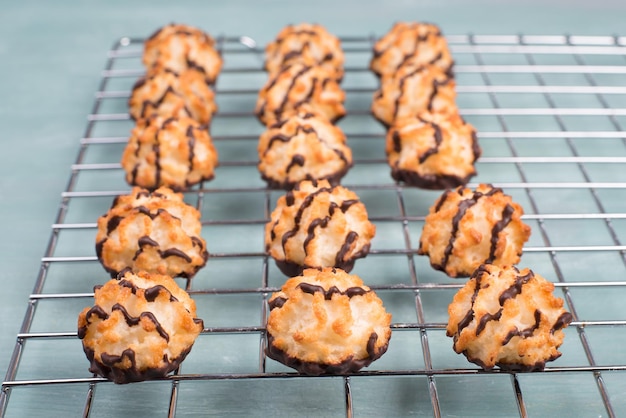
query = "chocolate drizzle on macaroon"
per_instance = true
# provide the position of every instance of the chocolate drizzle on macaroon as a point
(164, 208)
(520, 333)
(482, 226)
(340, 311)
(101, 328)
(351, 242)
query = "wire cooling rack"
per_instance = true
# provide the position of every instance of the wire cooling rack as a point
(550, 112)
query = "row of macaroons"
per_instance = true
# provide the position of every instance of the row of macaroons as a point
(299, 104)
(314, 225)
(428, 143)
(427, 146)
(323, 320)
(173, 105)
(502, 316)
(142, 325)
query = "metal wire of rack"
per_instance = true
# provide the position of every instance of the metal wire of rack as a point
(550, 113)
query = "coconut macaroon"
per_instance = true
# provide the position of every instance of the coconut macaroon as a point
(155, 232)
(176, 152)
(432, 150)
(298, 85)
(317, 225)
(306, 43)
(411, 90)
(466, 228)
(508, 318)
(166, 93)
(327, 322)
(303, 146)
(412, 43)
(141, 327)
(180, 47)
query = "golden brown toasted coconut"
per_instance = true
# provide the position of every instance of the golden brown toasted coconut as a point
(413, 90)
(180, 47)
(411, 43)
(467, 228)
(165, 93)
(303, 146)
(432, 150)
(316, 225)
(141, 327)
(176, 152)
(327, 322)
(306, 43)
(508, 318)
(299, 85)
(155, 232)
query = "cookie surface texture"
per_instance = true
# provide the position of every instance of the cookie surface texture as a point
(166, 93)
(306, 43)
(327, 322)
(412, 90)
(155, 232)
(316, 225)
(299, 85)
(176, 152)
(466, 228)
(508, 318)
(432, 150)
(179, 47)
(413, 43)
(303, 146)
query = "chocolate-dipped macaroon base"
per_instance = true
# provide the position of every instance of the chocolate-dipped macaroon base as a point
(290, 269)
(109, 371)
(348, 366)
(429, 181)
(333, 180)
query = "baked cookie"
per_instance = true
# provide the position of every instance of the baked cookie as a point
(300, 85)
(327, 322)
(413, 43)
(155, 232)
(180, 47)
(508, 318)
(432, 150)
(466, 228)
(307, 43)
(413, 90)
(176, 152)
(166, 93)
(141, 327)
(303, 146)
(316, 225)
